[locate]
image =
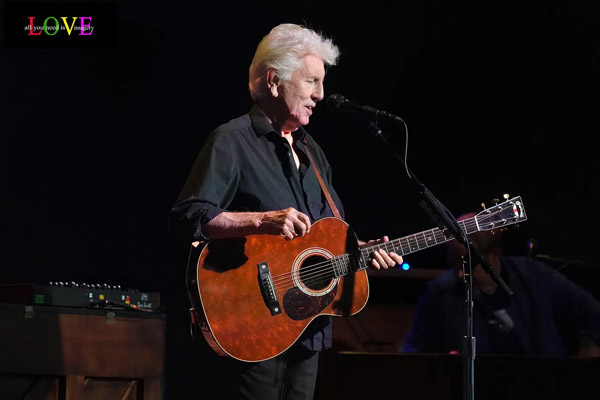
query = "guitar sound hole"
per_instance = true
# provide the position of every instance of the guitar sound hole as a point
(315, 275)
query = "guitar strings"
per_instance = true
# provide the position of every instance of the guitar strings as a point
(308, 279)
(343, 261)
(467, 223)
(313, 273)
(309, 275)
(321, 271)
(317, 266)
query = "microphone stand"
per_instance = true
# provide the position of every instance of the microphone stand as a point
(440, 215)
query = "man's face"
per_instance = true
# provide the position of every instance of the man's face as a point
(299, 96)
(481, 279)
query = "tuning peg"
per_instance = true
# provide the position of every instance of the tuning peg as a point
(506, 196)
(495, 200)
(483, 205)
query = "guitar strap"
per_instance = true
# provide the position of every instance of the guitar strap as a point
(330, 201)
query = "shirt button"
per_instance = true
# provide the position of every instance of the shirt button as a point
(289, 153)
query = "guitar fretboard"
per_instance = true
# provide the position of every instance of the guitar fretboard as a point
(346, 263)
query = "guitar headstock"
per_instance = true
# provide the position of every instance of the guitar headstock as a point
(509, 212)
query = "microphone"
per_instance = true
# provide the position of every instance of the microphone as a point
(337, 102)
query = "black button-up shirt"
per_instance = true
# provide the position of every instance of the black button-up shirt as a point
(246, 166)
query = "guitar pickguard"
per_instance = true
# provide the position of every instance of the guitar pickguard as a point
(300, 306)
(225, 255)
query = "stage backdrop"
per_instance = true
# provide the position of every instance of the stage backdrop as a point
(97, 142)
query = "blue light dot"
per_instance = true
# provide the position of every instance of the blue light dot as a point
(405, 266)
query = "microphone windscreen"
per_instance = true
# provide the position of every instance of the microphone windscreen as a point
(334, 101)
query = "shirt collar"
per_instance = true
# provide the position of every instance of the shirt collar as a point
(260, 123)
(262, 126)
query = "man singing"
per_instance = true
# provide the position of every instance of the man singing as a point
(255, 175)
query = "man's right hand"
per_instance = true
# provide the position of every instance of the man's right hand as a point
(289, 223)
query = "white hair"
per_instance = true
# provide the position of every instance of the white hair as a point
(283, 49)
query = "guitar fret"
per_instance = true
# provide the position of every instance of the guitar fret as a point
(430, 239)
(336, 268)
(423, 240)
(405, 246)
(340, 266)
(362, 263)
(397, 247)
(344, 262)
(463, 226)
(355, 263)
(413, 243)
(470, 226)
(362, 260)
(439, 236)
(421, 243)
(388, 246)
(434, 233)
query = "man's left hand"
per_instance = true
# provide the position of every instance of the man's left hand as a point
(382, 258)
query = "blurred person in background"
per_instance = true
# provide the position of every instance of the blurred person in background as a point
(547, 315)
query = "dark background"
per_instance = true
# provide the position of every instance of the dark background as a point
(499, 98)
(96, 143)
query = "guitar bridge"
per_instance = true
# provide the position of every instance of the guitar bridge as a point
(267, 289)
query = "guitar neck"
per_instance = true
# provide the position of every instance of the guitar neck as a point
(360, 260)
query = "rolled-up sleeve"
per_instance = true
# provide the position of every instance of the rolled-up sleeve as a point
(209, 189)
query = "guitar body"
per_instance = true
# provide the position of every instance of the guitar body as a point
(252, 297)
(229, 303)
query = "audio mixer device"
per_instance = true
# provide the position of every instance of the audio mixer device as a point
(71, 294)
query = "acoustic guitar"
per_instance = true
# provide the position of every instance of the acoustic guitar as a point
(252, 297)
